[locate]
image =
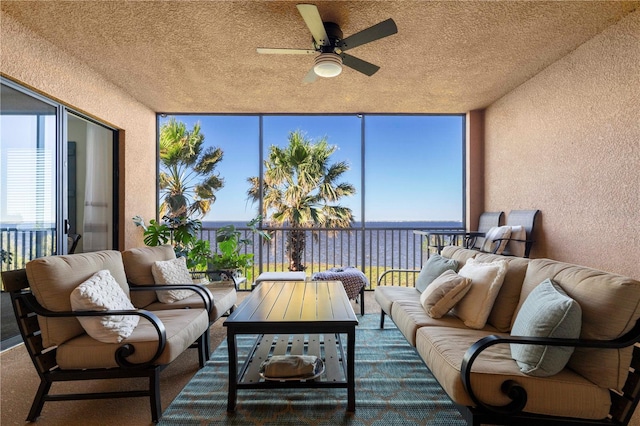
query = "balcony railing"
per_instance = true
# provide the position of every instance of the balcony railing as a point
(373, 250)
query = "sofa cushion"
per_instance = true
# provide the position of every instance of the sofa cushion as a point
(183, 327)
(443, 293)
(432, 269)
(610, 306)
(173, 271)
(504, 307)
(101, 292)
(566, 394)
(547, 312)
(224, 297)
(409, 316)
(459, 253)
(137, 265)
(53, 278)
(496, 233)
(486, 280)
(386, 295)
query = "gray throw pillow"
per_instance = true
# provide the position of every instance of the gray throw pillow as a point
(432, 269)
(546, 312)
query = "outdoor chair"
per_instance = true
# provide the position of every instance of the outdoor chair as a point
(520, 240)
(62, 351)
(487, 220)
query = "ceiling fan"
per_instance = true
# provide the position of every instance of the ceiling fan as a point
(330, 46)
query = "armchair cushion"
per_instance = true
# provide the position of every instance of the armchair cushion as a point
(137, 265)
(443, 293)
(486, 281)
(496, 233)
(547, 312)
(432, 269)
(172, 271)
(53, 278)
(101, 292)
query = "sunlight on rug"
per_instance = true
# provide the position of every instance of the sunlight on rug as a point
(393, 387)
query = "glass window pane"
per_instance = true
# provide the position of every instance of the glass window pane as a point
(414, 169)
(341, 131)
(28, 176)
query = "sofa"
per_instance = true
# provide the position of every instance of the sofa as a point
(97, 315)
(582, 339)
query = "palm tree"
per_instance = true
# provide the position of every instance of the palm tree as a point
(300, 188)
(188, 180)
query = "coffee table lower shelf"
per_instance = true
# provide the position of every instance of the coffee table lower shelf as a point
(327, 347)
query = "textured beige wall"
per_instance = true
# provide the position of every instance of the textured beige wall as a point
(568, 143)
(34, 62)
(474, 164)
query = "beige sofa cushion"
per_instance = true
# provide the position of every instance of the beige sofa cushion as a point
(458, 253)
(504, 307)
(224, 296)
(137, 265)
(443, 293)
(53, 278)
(610, 307)
(387, 295)
(409, 316)
(183, 327)
(565, 394)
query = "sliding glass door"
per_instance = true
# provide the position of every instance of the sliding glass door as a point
(57, 180)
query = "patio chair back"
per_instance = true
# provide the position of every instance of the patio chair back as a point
(526, 219)
(486, 221)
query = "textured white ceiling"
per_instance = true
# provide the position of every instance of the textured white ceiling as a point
(200, 56)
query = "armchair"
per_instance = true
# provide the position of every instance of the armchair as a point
(61, 350)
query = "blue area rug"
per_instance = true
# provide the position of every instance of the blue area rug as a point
(393, 387)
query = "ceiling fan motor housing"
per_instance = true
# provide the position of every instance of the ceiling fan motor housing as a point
(335, 36)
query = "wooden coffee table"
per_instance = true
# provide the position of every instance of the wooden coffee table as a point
(297, 318)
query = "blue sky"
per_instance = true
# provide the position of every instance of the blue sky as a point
(413, 164)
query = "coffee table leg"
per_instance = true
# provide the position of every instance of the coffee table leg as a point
(233, 371)
(351, 382)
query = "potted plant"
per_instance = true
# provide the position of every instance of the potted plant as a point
(229, 261)
(182, 233)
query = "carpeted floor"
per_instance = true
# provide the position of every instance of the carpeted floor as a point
(393, 386)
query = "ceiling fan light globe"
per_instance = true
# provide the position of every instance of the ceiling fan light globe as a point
(328, 65)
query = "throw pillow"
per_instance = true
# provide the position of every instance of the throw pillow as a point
(172, 271)
(546, 312)
(495, 233)
(101, 292)
(443, 293)
(486, 281)
(432, 269)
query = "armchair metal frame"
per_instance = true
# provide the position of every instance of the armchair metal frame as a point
(622, 406)
(27, 310)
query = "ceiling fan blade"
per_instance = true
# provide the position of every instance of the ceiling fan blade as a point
(310, 77)
(376, 32)
(277, 51)
(357, 64)
(313, 20)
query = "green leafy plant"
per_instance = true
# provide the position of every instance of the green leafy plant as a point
(230, 245)
(5, 256)
(182, 233)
